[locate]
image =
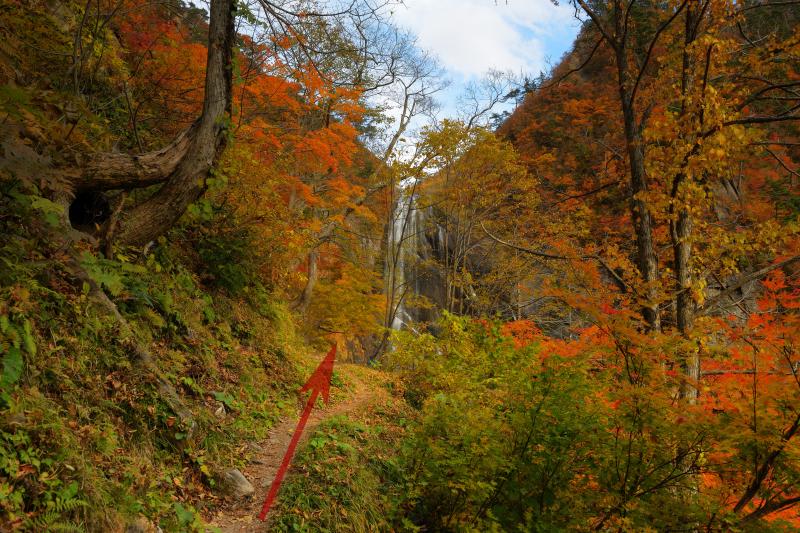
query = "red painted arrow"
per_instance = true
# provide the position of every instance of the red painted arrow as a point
(318, 383)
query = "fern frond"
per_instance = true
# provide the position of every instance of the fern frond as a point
(66, 506)
(66, 527)
(53, 519)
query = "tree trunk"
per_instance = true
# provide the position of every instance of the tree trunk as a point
(184, 164)
(311, 282)
(110, 171)
(681, 232)
(682, 249)
(646, 259)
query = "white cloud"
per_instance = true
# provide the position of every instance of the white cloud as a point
(471, 37)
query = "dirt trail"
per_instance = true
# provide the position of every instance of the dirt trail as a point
(242, 517)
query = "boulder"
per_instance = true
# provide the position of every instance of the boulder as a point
(234, 485)
(142, 525)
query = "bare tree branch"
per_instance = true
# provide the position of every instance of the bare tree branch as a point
(743, 280)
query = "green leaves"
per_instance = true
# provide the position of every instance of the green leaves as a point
(16, 336)
(51, 211)
(227, 400)
(201, 210)
(503, 433)
(110, 275)
(102, 274)
(189, 519)
(12, 367)
(27, 338)
(33, 491)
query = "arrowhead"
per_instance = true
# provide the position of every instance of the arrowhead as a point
(320, 380)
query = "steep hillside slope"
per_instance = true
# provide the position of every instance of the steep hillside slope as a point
(132, 377)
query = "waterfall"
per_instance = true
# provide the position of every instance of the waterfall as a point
(401, 250)
(415, 241)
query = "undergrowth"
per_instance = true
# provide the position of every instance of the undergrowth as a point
(347, 477)
(87, 442)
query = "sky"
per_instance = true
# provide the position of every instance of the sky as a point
(471, 37)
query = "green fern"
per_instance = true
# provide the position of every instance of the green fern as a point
(66, 527)
(67, 506)
(53, 520)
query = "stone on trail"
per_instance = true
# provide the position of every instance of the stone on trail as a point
(234, 485)
(142, 525)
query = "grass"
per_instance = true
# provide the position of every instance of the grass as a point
(346, 477)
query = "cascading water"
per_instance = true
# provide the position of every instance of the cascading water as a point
(413, 285)
(401, 242)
